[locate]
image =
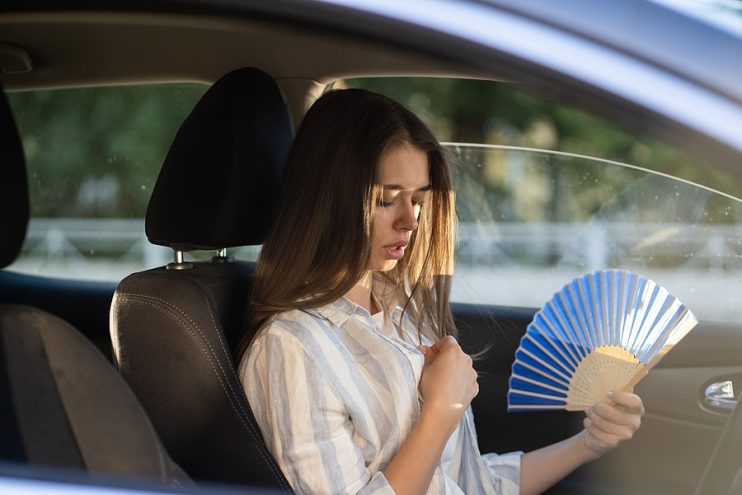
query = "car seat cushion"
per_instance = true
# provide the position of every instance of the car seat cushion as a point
(72, 408)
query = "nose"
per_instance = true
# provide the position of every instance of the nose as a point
(407, 219)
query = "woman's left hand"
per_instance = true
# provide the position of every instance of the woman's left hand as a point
(610, 423)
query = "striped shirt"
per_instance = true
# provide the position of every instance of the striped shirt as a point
(335, 395)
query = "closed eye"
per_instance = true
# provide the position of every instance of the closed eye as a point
(387, 204)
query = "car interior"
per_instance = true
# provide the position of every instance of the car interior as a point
(136, 377)
(197, 308)
(63, 403)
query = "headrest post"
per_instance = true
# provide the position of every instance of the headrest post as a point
(179, 263)
(221, 256)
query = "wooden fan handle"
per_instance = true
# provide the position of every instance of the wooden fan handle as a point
(638, 376)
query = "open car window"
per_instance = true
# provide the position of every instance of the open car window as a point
(545, 193)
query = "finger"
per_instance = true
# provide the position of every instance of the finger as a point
(428, 353)
(627, 400)
(608, 413)
(621, 430)
(444, 343)
(600, 438)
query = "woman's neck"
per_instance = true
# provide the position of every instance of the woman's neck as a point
(361, 293)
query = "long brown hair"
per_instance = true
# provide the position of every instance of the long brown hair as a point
(320, 244)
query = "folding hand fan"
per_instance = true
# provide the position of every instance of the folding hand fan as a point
(602, 331)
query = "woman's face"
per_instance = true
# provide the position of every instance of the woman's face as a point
(403, 179)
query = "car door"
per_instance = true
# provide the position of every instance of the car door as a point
(654, 225)
(541, 199)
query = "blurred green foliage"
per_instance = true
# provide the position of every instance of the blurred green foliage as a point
(490, 112)
(96, 152)
(477, 111)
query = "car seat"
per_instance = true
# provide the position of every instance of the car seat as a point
(62, 404)
(174, 327)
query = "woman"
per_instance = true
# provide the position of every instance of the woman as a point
(352, 368)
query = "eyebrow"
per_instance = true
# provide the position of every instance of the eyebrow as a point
(398, 187)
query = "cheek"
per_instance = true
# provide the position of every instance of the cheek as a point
(382, 221)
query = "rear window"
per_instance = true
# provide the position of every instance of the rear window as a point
(93, 155)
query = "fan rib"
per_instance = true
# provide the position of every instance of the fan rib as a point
(548, 353)
(588, 311)
(604, 309)
(594, 305)
(659, 328)
(579, 310)
(602, 331)
(561, 380)
(540, 384)
(653, 317)
(555, 332)
(566, 332)
(572, 326)
(543, 363)
(540, 407)
(541, 396)
(630, 310)
(621, 306)
(647, 316)
(557, 347)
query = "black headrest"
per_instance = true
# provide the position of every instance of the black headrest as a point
(219, 184)
(14, 208)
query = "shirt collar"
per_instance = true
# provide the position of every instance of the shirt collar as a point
(340, 310)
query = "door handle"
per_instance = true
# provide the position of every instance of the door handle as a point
(720, 395)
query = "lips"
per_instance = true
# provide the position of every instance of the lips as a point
(395, 250)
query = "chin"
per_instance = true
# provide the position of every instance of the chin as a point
(384, 266)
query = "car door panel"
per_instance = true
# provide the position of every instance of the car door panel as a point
(678, 433)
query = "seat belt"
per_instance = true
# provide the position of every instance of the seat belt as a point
(42, 421)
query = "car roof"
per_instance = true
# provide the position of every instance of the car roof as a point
(639, 63)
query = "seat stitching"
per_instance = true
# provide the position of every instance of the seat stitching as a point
(203, 336)
(213, 319)
(151, 301)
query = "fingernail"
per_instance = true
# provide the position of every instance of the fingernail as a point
(611, 394)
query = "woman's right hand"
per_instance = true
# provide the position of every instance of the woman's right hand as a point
(448, 382)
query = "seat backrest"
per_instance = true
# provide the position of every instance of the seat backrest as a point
(173, 328)
(62, 404)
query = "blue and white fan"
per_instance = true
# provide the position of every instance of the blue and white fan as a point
(602, 331)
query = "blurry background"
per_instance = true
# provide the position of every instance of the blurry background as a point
(544, 191)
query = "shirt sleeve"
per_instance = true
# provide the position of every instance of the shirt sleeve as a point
(505, 471)
(304, 423)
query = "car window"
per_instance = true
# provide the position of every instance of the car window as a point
(93, 155)
(545, 193)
